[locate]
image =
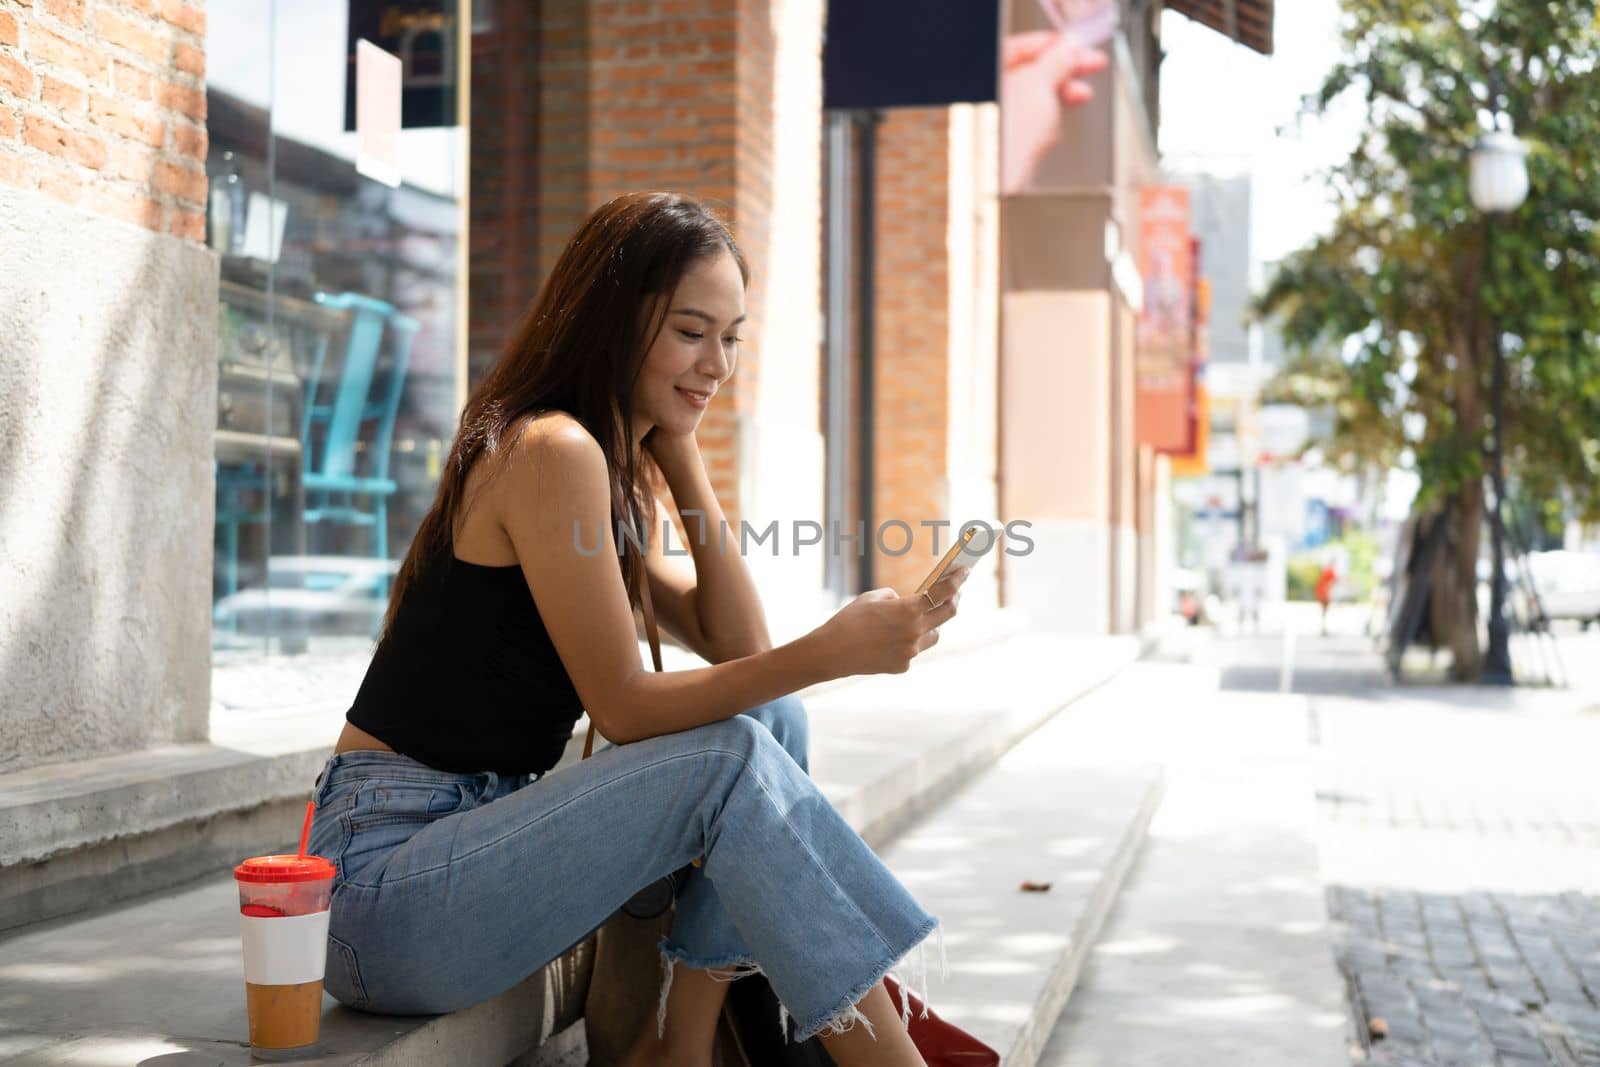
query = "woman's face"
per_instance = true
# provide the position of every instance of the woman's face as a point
(695, 351)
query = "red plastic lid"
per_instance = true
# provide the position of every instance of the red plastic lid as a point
(283, 869)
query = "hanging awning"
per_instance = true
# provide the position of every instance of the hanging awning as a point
(910, 53)
(1247, 21)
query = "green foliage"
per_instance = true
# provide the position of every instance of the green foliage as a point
(1391, 314)
(1304, 568)
(1361, 577)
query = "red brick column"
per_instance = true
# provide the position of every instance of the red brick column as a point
(103, 106)
(912, 337)
(665, 94)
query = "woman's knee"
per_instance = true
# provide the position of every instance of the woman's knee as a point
(787, 720)
(740, 734)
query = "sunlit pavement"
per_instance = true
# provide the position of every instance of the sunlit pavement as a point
(1218, 950)
(1460, 838)
(1458, 835)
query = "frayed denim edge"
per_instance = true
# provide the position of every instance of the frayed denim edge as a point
(841, 1020)
(742, 966)
(836, 1022)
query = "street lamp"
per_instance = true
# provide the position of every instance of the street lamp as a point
(1499, 172)
(1499, 184)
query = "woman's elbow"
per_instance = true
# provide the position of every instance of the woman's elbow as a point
(611, 715)
(610, 726)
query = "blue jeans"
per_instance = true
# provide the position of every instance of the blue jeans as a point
(453, 887)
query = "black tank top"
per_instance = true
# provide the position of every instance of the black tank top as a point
(468, 679)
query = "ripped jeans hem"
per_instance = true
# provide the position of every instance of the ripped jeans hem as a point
(742, 965)
(837, 1021)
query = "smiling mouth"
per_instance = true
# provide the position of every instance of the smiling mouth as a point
(691, 392)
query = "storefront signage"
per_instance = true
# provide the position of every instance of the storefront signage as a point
(1165, 335)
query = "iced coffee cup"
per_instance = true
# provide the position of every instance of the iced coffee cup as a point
(283, 921)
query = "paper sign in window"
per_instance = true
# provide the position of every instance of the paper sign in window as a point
(265, 219)
(377, 113)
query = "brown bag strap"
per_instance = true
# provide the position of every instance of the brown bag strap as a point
(650, 632)
(650, 620)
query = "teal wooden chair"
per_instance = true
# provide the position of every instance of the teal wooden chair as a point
(236, 484)
(337, 489)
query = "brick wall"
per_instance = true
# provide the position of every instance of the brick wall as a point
(912, 337)
(665, 94)
(102, 106)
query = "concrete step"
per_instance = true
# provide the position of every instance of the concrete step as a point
(1036, 816)
(163, 972)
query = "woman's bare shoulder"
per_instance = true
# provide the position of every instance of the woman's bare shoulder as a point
(541, 435)
(551, 445)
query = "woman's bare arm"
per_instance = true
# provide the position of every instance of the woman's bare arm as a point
(672, 591)
(556, 475)
(715, 602)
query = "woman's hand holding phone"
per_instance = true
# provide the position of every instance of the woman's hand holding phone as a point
(881, 632)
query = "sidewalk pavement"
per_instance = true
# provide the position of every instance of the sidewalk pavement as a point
(1460, 835)
(1218, 950)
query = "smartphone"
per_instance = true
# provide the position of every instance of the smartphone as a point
(972, 545)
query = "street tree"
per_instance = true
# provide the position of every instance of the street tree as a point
(1392, 314)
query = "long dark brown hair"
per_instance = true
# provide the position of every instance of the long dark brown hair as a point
(579, 349)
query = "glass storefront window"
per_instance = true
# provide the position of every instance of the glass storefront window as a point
(340, 300)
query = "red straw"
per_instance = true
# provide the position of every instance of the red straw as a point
(305, 831)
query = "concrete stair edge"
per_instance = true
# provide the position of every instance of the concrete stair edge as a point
(57, 817)
(949, 767)
(498, 1031)
(1030, 1044)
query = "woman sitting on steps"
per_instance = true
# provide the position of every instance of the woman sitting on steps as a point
(463, 866)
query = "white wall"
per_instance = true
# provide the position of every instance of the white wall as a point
(783, 464)
(973, 246)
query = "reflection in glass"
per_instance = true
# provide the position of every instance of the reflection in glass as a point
(338, 304)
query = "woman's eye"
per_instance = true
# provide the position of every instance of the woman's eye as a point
(732, 340)
(691, 335)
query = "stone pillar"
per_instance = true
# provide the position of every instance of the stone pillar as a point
(1069, 459)
(108, 361)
